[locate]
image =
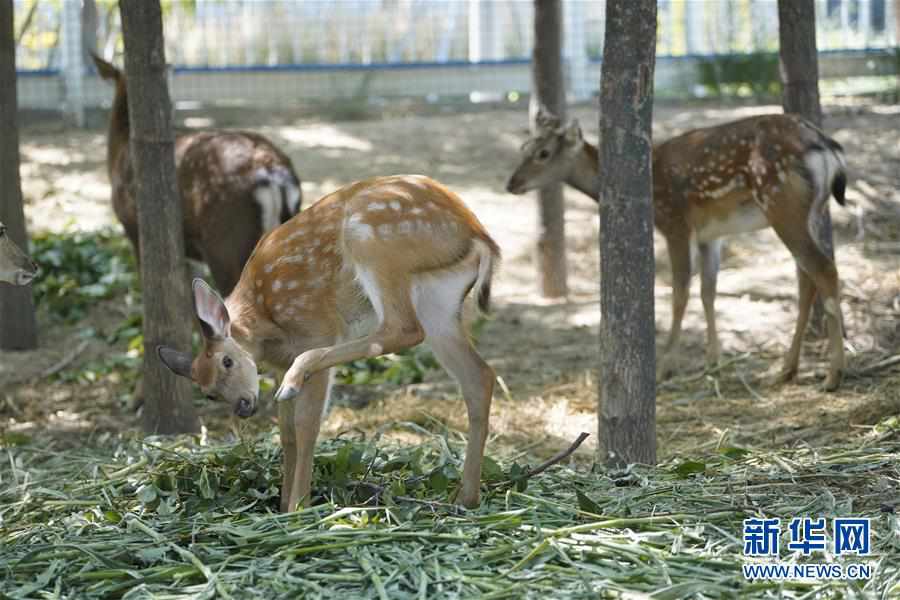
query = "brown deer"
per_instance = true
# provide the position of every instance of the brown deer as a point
(767, 171)
(234, 185)
(388, 258)
(15, 266)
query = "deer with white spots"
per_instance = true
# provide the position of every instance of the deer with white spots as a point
(235, 186)
(15, 266)
(375, 267)
(767, 171)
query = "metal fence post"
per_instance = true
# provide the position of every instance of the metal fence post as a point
(72, 63)
(485, 35)
(575, 51)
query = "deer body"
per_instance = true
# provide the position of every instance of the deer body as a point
(393, 256)
(768, 171)
(234, 185)
(16, 268)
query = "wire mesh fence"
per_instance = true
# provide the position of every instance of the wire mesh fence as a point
(276, 52)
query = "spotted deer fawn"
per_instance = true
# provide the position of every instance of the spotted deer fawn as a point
(235, 186)
(768, 171)
(390, 259)
(15, 266)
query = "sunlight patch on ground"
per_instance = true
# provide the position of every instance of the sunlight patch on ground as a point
(323, 136)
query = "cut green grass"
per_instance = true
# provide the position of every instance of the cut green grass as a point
(179, 519)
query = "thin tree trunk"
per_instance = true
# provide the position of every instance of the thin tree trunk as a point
(627, 411)
(167, 399)
(90, 20)
(549, 90)
(18, 329)
(800, 95)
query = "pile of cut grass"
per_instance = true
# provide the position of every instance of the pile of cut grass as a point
(189, 518)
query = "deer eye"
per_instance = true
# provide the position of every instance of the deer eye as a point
(544, 154)
(227, 362)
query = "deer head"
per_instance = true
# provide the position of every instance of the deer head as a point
(548, 156)
(223, 369)
(15, 266)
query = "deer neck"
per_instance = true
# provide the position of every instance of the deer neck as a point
(119, 126)
(585, 173)
(249, 327)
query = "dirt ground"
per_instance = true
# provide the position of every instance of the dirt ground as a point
(545, 352)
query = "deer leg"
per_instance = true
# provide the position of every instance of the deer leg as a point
(680, 259)
(299, 420)
(476, 380)
(824, 274)
(289, 454)
(398, 330)
(710, 253)
(438, 304)
(789, 220)
(806, 293)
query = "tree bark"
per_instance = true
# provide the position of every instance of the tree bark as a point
(627, 411)
(167, 399)
(18, 329)
(800, 95)
(549, 89)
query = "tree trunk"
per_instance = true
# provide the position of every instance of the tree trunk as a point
(90, 19)
(800, 95)
(627, 411)
(18, 329)
(549, 89)
(167, 399)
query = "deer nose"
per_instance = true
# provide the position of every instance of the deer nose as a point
(245, 407)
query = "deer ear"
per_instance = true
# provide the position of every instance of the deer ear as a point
(107, 71)
(572, 133)
(211, 311)
(544, 119)
(177, 362)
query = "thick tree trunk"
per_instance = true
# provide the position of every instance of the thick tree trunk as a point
(627, 411)
(800, 95)
(18, 330)
(167, 399)
(549, 89)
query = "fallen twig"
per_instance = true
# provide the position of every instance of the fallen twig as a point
(556, 458)
(66, 361)
(881, 364)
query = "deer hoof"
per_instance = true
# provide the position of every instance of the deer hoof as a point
(286, 392)
(469, 499)
(786, 376)
(833, 381)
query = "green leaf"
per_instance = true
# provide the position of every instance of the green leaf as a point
(586, 504)
(147, 493)
(207, 491)
(152, 555)
(689, 467)
(14, 438)
(438, 482)
(733, 452)
(491, 470)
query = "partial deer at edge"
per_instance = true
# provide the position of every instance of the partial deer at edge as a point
(16, 267)
(235, 186)
(767, 171)
(390, 259)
